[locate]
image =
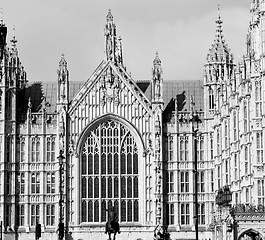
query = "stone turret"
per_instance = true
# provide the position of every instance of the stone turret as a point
(219, 70)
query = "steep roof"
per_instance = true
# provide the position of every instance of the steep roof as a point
(38, 90)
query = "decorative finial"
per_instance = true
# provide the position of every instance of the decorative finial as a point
(109, 16)
(62, 61)
(219, 21)
(1, 16)
(157, 60)
(14, 40)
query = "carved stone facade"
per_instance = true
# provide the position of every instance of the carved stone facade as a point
(130, 144)
(234, 109)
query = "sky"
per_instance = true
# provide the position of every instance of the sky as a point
(182, 31)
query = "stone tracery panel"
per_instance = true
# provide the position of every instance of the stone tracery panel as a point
(109, 173)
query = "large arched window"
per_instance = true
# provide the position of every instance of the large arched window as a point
(109, 173)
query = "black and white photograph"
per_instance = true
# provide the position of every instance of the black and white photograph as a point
(139, 120)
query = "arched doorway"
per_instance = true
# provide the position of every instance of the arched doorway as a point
(250, 235)
(109, 173)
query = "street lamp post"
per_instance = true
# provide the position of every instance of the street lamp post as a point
(61, 190)
(1, 230)
(195, 120)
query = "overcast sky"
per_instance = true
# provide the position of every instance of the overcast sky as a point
(181, 31)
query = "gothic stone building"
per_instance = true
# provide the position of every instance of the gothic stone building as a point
(130, 144)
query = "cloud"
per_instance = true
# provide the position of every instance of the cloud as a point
(182, 32)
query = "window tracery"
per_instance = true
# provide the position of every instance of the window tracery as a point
(109, 174)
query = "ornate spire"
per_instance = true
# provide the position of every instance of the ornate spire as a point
(157, 61)
(109, 17)
(62, 63)
(113, 43)
(219, 51)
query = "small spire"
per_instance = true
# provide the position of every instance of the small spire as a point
(157, 60)
(219, 23)
(62, 61)
(109, 16)
(14, 40)
(2, 17)
(218, 9)
(219, 50)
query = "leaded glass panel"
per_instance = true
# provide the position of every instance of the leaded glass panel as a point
(109, 168)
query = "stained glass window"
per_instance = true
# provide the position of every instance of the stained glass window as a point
(109, 168)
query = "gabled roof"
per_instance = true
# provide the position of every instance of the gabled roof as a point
(109, 68)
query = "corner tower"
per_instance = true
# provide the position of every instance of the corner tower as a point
(218, 72)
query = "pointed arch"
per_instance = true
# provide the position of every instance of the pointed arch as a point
(253, 233)
(104, 118)
(116, 181)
